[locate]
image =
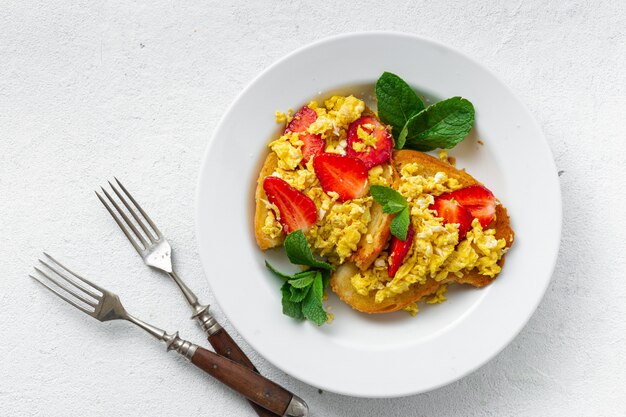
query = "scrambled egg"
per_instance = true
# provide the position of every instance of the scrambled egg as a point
(284, 117)
(380, 175)
(368, 140)
(436, 252)
(438, 297)
(444, 157)
(288, 148)
(333, 120)
(340, 225)
(412, 309)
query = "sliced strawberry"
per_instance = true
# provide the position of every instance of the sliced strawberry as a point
(301, 120)
(452, 212)
(342, 174)
(297, 211)
(479, 201)
(313, 143)
(399, 250)
(374, 155)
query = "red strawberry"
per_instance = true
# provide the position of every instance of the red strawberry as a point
(301, 120)
(479, 201)
(452, 212)
(297, 211)
(373, 156)
(399, 250)
(313, 143)
(342, 174)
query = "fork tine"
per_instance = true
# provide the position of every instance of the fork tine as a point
(125, 217)
(66, 288)
(85, 280)
(140, 222)
(81, 308)
(148, 219)
(122, 226)
(70, 281)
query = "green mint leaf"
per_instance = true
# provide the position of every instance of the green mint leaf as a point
(442, 125)
(290, 308)
(303, 279)
(397, 101)
(400, 224)
(325, 279)
(391, 200)
(312, 306)
(393, 207)
(401, 140)
(277, 273)
(305, 273)
(298, 294)
(299, 252)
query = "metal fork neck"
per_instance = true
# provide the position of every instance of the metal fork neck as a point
(173, 341)
(154, 331)
(200, 312)
(189, 295)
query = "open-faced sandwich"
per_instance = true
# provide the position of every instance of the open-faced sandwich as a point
(395, 226)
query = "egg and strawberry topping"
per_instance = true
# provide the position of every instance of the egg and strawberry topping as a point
(447, 236)
(328, 156)
(313, 161)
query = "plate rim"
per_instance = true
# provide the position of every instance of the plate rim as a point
(553, 256)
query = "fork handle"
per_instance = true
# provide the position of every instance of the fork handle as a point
(226, 346)
(251, 385)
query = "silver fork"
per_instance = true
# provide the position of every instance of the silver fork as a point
(104, 305)
(156, 252)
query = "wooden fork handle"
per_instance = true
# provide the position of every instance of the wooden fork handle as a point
(226, 346)
(251, 385)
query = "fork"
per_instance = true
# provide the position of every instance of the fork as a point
(104, 305)
(156, 252)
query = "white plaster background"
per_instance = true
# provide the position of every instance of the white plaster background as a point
(134, 89)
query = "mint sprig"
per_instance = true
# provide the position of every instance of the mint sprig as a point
(312, 307)
(391, 200)
(291, 308)
(393, 203)
(299, 252)
(397, 101)
(441, 125)
(404, 132)
(302, 293)
(400, 224)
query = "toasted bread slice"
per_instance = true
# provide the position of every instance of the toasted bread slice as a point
(366, 253)
(378, 229)
(261, 210)
(341, 280)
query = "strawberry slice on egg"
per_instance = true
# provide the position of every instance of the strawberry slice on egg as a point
(376, 149)
(297, 211)
(398, 250)
(313, 144)
(344, 175)
(479, 201)
(452, 212)
(464, 205)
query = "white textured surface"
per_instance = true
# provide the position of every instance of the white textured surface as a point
(89, 91)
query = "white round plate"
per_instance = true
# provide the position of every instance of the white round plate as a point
(387, 355)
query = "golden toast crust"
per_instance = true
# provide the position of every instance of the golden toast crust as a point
(260, 212)
(378, 229)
